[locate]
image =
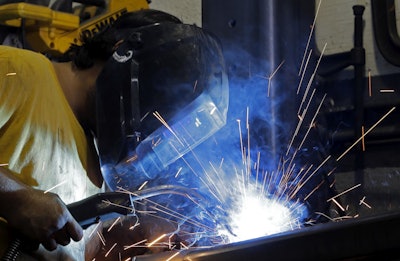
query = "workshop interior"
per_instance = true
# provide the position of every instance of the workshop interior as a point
(312, 125)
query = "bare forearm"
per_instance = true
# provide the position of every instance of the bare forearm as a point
(10, 187)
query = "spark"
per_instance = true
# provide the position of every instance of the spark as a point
(169, 241)
(386, 90)
(219, 179)
(344, 192)
(136, 244)
(221, 163)
(312, 78)
(310, 36)
(301, 184)
(324, 215)
(59, 184)
(362, 202)
(3, 164)
(109, 251)
(143, 185)
(11, 74)
(95, 229)
(258, 166)
(300, 123)
(304, 72)
(144, 116)
(113, 224)
(272, 75)
(312, 122)
(134, 226)
(195, 86)
(164, 122)
(209, 182)
(174, 255)
(119, 205)
(331, 172)
(101, 238)
(178, 172)
(156, 240)
(363, 140)
(315, 189)
(369, 83)
(269, 78)
(368, 131)
(248, 139)
(241, 140)
(337, 204)
(184, 246)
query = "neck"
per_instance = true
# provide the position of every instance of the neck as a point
(79, 89)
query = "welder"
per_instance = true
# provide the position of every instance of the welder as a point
(61, 120)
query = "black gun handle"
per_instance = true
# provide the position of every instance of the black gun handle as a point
(101, 206)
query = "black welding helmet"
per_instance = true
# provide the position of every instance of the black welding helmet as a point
(163, 92)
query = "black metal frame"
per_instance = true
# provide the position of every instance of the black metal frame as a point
(373, 238)
(385, 29)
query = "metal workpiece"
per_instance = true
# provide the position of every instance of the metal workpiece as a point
(372, 238)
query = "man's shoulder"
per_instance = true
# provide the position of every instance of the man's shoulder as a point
(17, 55)
(28, 66)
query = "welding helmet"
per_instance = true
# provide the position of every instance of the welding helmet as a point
(163, 92)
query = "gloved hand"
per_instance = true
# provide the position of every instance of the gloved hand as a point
(42, 218)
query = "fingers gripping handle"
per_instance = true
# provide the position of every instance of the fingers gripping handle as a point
(89, 211)
(100, 207)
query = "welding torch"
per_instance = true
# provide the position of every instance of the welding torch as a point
(89, 211)
(110, 205)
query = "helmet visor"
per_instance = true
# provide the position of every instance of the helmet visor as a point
(162, 93)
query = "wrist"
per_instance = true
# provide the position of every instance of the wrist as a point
(13, 193)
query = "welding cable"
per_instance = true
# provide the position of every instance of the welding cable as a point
(189, 193)
(165, 189)
(12, 251)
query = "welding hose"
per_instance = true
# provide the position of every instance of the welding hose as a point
(189, 193)
(12, 251)
(14, 248)
(166, 189)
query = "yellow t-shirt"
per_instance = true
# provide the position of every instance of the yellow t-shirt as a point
(41, 141)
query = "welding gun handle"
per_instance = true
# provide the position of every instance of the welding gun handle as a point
(89, 211)
(100, 207)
